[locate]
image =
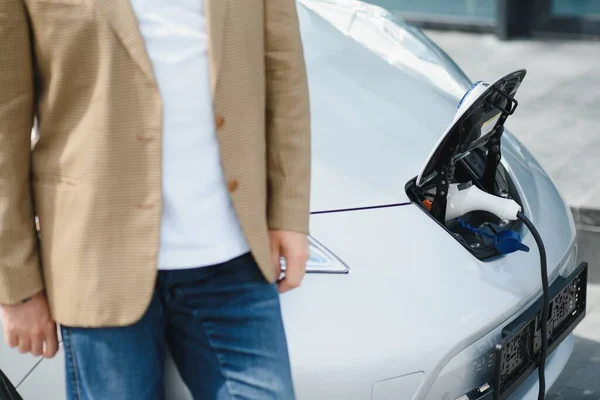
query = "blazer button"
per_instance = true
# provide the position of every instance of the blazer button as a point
(232, 185)
(144, 139)
(145, 206)
(220, 121)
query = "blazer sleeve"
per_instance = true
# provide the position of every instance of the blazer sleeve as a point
(20, 274)
(287, 118)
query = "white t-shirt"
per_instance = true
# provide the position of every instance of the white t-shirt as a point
(199, 225)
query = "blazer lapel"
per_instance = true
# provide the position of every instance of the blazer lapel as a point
(215, 19)
(123, 20)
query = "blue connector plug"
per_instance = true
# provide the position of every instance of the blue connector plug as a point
(509, 241)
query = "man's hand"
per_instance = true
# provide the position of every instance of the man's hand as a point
(293, 246)
(29, 326)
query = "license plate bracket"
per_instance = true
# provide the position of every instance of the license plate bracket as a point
(516, 356)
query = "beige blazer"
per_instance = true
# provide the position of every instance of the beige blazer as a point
(94, 176)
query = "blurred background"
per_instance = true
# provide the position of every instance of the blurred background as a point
(558, 42)
(506, 18)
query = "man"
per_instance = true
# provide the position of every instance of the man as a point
(171, 174)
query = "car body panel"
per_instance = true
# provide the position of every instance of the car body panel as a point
(403, 387)
(364, 121)
(474, 366)
(407, 305)
(389, 37)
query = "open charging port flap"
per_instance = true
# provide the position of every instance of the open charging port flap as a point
(469, 153)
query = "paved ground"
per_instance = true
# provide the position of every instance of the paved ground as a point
(559, 120)
(581, 378)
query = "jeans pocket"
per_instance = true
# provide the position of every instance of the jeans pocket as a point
(236, 283)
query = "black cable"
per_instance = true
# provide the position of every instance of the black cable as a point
(545, 306)
(6, 388)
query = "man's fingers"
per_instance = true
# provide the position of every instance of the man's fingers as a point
(293, 246)
(294, 273)
(282, 286)
(24, 344)
(288, 283)
(276, 257)
(51, 342)
(37, 345)
(277, 265)
(12, 340)
(27, 326)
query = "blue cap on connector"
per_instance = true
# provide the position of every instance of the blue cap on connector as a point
(509, 241)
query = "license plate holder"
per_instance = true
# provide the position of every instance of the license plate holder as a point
(516, 356)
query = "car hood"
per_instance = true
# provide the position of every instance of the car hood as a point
(373, 122)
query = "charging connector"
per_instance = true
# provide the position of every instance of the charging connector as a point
(464, 198)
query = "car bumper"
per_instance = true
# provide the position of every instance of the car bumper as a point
(555, 364)
(519, 381)
(49, 378)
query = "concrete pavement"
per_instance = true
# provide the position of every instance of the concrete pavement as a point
(581, 378)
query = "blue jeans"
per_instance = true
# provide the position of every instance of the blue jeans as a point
(222, 325)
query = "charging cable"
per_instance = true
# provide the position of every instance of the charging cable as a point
(545, 306)
(465, 197)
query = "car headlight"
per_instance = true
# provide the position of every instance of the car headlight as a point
(321, 260)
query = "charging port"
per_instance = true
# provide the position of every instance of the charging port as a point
(471, 170)
(463, 175)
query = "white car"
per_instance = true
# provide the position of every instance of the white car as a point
(400, 303)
